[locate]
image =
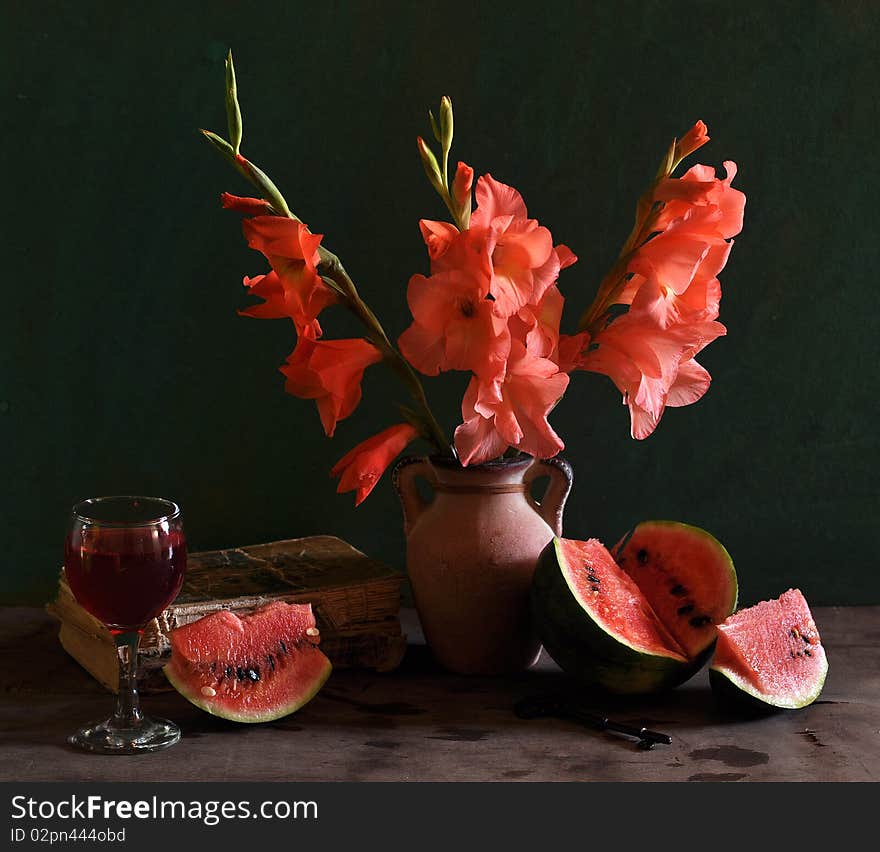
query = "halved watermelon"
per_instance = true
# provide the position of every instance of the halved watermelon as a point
(770, 656)
(595, 623)
(619, 627)
(255, 668)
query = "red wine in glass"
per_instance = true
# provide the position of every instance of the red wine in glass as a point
(125, 559)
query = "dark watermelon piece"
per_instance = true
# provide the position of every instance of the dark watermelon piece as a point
(770, 656)
(687, 576)
(253, 668)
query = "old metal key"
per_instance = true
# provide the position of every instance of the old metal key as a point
(561, 707)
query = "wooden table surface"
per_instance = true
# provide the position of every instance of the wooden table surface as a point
(420, 723)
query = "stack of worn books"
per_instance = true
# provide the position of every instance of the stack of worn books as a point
(356, 603)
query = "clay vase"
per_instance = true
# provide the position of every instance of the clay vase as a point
(471, 552)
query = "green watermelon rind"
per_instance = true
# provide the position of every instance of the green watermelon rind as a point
(725, 559)
(585, 649)
(735, 692)
(196, 698)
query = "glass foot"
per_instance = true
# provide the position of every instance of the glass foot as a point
(108, 737)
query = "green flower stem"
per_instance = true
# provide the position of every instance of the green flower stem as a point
(334, 274)
(333, 270)
(647, 212)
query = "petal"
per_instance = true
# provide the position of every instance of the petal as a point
(424, 349)
(432, 301)
(525, 243)
(690, 384)
(437, 236)
(477, 441)
(479, 343)
(566, 256)
(642, 423)
(674, 259)
(496, 199)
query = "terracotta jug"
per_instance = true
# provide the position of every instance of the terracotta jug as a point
(471, 552)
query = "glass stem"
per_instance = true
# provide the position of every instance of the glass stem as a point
(128, 711)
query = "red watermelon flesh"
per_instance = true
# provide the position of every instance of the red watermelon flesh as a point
(253, 668)
(773, 652)
(613, 600)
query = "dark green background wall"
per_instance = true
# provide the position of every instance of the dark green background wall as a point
(125, 368)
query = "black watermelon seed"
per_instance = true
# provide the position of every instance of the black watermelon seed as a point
(592, 578)
(283, 646)
(594, 588)
(254, 673)
(678, 590)
(792, 654)
(227, 672)
(239, 673)
(700, 621)
(808, 652)
(271, 661)
(686, 609)
(642, 556)
(807, 640)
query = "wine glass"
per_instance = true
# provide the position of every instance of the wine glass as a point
(124, 559)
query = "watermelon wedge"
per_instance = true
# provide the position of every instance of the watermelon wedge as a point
(253, 668)
(618, 627)
(686, 575)
(770, 656)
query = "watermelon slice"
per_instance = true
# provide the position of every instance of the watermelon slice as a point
(770, 656)
(686, 575)
(619, 627)
(255, 668)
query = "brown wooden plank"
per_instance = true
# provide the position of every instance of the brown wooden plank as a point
(420, 723)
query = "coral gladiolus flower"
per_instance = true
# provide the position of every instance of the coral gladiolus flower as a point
(537, 326)
(329, 372)
(519, 247)
(652, 367)
(648, 294)
(455, 327)
(511, 410)
(292, 252)
(707, 205)
(282, 302)
(361, 468)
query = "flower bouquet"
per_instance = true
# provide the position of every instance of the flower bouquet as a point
(491, 307)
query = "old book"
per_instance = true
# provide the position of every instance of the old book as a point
(355, 599)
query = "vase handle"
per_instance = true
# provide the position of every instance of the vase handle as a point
(406, 471)
(553, 502)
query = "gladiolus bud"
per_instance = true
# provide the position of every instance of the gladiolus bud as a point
(248, 206)
(233, 111)
(446, 123)
(462, 185)
(695, 138)
(432, 168)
